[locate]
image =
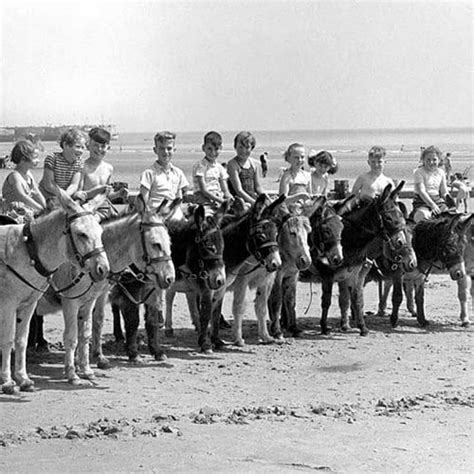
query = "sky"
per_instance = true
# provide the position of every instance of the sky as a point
(237, 65)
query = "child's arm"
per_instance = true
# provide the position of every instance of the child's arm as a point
(203, 190)
(257, 183)
(225, 189)
(75, 182)
(48, 182)
(37, 195)
(284, 187)
(23, 197)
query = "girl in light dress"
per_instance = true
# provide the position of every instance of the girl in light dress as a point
(295, 181)
(21, 196)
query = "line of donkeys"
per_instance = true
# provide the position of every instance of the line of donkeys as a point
(67, 260)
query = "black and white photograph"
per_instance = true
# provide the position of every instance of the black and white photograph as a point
(236, 236)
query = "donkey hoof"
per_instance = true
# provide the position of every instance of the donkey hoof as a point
(104, 363)
(326, 331)
(364, 332)
(218, 344)
(207, 351)
(10, 388)
(87, 374)
(423, 323)
(27, 386)
(239, 343)
(161, 356)
(466, 324)
(169, 333)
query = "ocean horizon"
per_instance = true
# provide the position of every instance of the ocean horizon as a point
(133, 152)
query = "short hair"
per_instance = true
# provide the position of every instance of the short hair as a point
(71, 136)
(288, 151)
(22, 151)
(100, 135)
(162, 137)
(246, 138)
(213, 138)
(377, 152)
(431, 150)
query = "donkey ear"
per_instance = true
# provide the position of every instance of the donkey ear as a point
(140, 204)
(96, 201)
(385, 194)
(259, 206)
(403, 208)
(346, 205)
(314, 206)
(199, 216)
(67, 203)
(396, 191)
(271, 208)
(465, 221)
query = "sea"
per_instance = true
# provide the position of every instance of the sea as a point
(133, 152)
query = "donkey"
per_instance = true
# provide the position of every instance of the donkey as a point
(139, 238)
(293, 231)
(252, 235)
(365, 228)
(440, 244)
(324, 241)
(197, 251)
(29, 255)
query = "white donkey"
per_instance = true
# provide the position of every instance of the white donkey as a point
(29, 254)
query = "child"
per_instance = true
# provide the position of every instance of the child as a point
(97, 173)
(461, 184)
(63, 169)
(264, 163)
(210, 177)
(19, 185)
(430, 186)
(372, 183)
(163, 180)
(244, 173)
(323, 163)
(295, 180)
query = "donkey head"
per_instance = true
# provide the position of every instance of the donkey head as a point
(205, 255)
(85, 235)
(156, 243)
(262, 238)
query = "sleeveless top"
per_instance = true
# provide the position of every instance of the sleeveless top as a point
(9, 192)
(246, 176)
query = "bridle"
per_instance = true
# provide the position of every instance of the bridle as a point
(317, 230)
(38, 265)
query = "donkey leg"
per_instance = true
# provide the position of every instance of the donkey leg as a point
(131, 316)
(98, 316)
(384, 290)
(118, 333)
(289, 302)
(84, 319)
(7, 336)
(409, 291)
(169, 298)
(261, 300)
(238, 307)
(420, 301)
(397, 298)
(21, 339)
(152, 326)
(274, 308)
(464, 293)
(192, 300)
(207, 307)
(33, 332)
(70, 342)
(326, 296)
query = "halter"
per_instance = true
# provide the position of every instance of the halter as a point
(318, 231)
(146, 257)
(80, 258)
(204, 256)
(252, 244)
(32, 250)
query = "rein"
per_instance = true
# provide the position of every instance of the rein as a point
(138, 276)
(32, 250)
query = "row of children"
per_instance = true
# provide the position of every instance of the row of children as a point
(212, 182)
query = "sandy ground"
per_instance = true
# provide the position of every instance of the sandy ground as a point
(396, 401)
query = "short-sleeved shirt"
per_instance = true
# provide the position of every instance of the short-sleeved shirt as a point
(246, 175)
(163, 184)
(298, 183)
(212, 173)
(63, 170)
(9, 191)
(431, 179)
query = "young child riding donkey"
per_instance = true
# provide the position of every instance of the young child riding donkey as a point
(29, 255)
